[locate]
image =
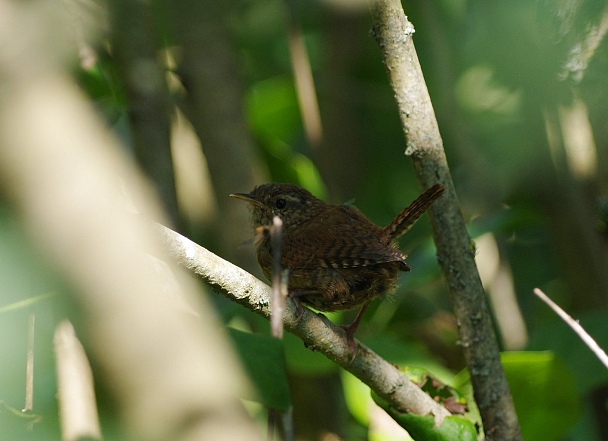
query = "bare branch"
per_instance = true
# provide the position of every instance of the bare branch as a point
(576, 327)
(317, 332)
(76, 394)
(393, 33)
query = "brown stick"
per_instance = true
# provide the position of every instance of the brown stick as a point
(277, 300)
(393, 33)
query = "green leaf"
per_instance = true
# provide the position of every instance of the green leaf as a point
(407, 353)
(442, 393)
(264, 360)
(558, 337)
(360, 404)
(422, 428)
(272, 109)
(17, 424)
(308, 175)
(303, 361)
(544, 392)
(357, 397)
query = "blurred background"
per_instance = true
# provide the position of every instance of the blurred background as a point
(210, 98)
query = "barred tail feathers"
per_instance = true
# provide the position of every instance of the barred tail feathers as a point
(410, 214)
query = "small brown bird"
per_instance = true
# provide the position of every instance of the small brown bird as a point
(337, 258)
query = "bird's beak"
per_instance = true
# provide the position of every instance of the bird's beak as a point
(247, 198)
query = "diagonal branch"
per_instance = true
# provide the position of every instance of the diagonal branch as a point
(393, 33)
(317, 332)
(576, 327)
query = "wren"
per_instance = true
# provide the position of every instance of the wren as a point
(336, 257)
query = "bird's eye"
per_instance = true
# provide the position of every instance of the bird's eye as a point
(280, 203)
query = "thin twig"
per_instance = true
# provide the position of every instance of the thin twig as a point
(29, 370)
(303, 78)
(576, 327)
(277, 301)
(277, 308)
(277, 305)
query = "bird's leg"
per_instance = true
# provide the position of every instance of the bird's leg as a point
(351, 329)
(295, 294)
(299, 308)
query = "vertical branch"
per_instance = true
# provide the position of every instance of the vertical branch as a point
(278, 295)
(76, 392)
(214, 104)
(393, 33)
(304, 81)
(277, 299)
(135, 44)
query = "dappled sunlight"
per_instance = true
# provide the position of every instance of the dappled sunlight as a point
(192, 182)
(579, 143)
(477, 90)
(498, 281)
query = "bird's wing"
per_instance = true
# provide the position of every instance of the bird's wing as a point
(342, 238)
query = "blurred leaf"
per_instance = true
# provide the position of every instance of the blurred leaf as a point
(478, 91)
(403, 353)
(559, 338)
(23, 273)
(264, 360)
(422, 428)
(272, 110)
(360, 404)
(528, 56)
(303, 361)
(586, 428)
(308, 175)
(19, 414)
(544, 391)
(357, 397)
(18, 425)
(97, 84)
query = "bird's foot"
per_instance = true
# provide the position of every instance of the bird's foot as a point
(350, 338)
